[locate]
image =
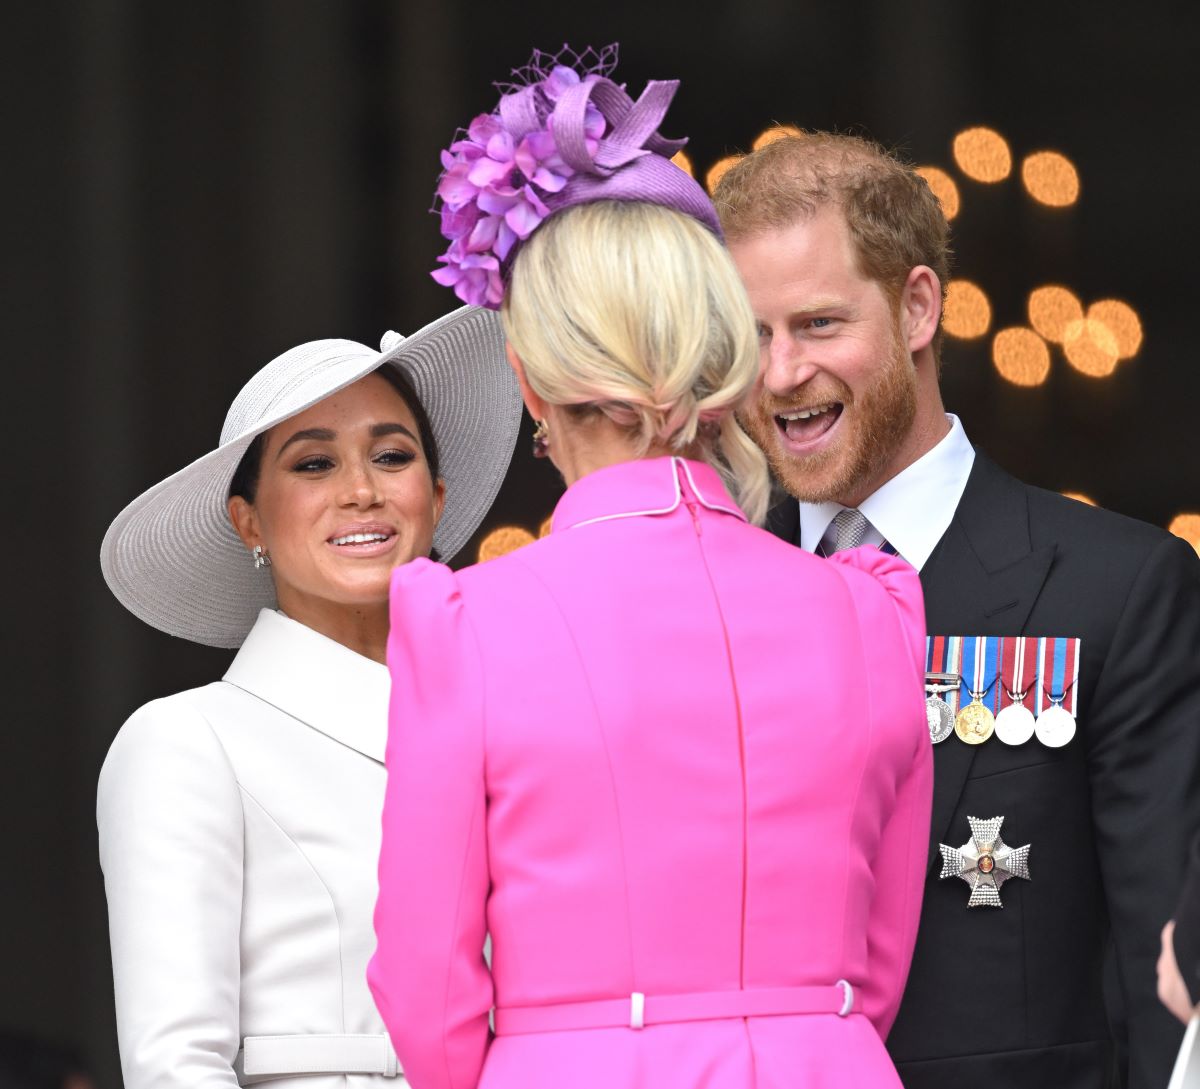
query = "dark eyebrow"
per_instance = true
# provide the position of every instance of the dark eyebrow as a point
(321, 434)
(378, 431)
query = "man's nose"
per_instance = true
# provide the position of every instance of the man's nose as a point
(786, 367)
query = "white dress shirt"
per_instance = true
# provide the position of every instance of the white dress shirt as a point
(913, 509)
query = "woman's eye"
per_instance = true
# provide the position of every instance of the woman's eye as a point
(315, 464)
(395, 457)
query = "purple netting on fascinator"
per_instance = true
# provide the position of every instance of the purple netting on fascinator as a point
(563, 134)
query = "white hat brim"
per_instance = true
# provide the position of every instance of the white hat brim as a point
(172, 557)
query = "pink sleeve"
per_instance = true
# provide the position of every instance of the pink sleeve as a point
(428, 974)
(894, 635)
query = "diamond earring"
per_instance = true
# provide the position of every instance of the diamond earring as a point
(541, 440)
(261, 559)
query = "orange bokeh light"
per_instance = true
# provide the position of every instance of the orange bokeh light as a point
(717, 171)
(1021, 356)
(1080, 497)
(682, 160)
(1122, 321)
(1051, 309)
(983, 155)
(1187, 526)
(775, 132)
(1050, 178)
(1090, 348)
(502, 541)
(968, 313)
(942, 187)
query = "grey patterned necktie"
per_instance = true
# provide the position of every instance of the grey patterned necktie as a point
(849, 527)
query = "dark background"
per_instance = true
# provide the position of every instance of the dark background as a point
(196, 187)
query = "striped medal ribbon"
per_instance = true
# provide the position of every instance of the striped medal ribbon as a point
(975, 723)
(1057, 683)
(1015, 723)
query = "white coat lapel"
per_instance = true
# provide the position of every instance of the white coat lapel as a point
(321, 683)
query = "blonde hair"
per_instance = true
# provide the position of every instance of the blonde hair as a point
(637, 311)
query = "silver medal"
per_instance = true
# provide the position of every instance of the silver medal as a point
(1015, 724)
(940, 718)
(1055, 726)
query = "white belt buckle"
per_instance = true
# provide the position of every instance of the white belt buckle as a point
(847, 998)
(637, 1010)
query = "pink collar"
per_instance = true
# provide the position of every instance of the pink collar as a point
(647, 487)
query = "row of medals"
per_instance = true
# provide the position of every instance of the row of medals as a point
(975, 723)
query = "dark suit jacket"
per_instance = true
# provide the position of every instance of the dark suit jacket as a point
(1187, 926)
(1013, 998)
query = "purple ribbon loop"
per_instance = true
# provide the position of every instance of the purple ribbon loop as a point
(568, 125)
(635, 133)
(519, 112)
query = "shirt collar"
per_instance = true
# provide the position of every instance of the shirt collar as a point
(315, 680)
(647, 486)
(912, 510)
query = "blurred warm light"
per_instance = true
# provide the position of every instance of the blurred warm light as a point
(682, 160)
(982, 154)
(1052, 309)
(1050, 178)
(1122, 321)
(968, 313)
(544, 528)
(1187, 526)
(942, 187)
(717, 171)
(1080, 497)
(775, 132)
(1021, 356)
(1090, 348)
(502, 541)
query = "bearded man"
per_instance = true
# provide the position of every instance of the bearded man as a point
(1035, 603)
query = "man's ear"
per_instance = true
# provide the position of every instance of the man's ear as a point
(245, 520)
(920, 308)
(536, 406)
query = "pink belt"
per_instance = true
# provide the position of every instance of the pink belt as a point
(639, 1010)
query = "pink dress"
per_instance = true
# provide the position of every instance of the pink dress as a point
(679, 771)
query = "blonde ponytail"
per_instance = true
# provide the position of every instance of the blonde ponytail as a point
(637, 311)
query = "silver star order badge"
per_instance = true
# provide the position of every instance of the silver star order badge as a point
(985, 862)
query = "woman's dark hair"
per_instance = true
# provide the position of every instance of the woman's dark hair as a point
(245, 477)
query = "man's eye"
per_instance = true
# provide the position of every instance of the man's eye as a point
(821, 323)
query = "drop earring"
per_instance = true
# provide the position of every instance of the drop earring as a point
(261, 559)
(541, 440)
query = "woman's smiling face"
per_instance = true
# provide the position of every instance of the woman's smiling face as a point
(344, 495)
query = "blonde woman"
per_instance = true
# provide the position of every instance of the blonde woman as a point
(239, 822)
(689, 801)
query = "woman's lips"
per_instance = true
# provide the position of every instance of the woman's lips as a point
(806, 430)
(362, 542)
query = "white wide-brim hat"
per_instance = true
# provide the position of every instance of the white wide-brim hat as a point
(172, 556)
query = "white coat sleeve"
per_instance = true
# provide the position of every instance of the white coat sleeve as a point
(169, 814)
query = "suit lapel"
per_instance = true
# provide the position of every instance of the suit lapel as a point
(318, 682)
(982, 579)
(784, 521)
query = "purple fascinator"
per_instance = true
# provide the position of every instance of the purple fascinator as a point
(563, 134)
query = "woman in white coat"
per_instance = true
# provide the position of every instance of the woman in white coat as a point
(240, 822)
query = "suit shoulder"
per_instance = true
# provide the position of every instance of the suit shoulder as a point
(1068, 521)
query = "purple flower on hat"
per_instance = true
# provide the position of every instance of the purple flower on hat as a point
(562, 134)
